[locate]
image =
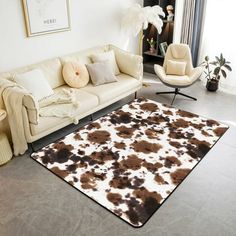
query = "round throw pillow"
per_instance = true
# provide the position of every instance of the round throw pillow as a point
(75, 74)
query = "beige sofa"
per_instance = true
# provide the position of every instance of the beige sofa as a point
(91, 98)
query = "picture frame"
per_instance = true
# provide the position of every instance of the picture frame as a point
(163, 48)
(46, 16)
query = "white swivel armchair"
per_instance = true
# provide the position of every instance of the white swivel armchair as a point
(177, 71)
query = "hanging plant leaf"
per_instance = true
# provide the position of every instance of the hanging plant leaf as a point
(223, 61)
(224, 73)
(221, 56)
(228, 67)
(216, 71)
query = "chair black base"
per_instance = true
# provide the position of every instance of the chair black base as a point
(177, 91)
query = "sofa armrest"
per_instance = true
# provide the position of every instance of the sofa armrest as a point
(128, 63)
(32, 107)
(196, 73)
(28, 101)
(160, 72)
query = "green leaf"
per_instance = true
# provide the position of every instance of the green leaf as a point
(223, 61)
(224, 73)
(228, 67)
(206, 58)
(216, 71)
(221, 56)
(217, 58)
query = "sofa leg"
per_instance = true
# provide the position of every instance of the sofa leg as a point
(91, 117)
(135, 94)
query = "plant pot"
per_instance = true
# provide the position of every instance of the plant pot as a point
(212, 85)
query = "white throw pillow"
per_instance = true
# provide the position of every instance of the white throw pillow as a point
(107, 56)
(175, 68)
(35, 82)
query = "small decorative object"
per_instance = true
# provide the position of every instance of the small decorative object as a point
(170, 16)
(46, 16)
(152, 44)
(75, 74)
(137, 18)
(163, 47)
(214, 74)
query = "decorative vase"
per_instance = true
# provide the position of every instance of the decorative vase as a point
(212, 85)
(152, 49)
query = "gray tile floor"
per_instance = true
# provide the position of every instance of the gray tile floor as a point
(35, 202)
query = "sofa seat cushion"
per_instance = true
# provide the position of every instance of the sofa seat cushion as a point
(87, 102)
(176, 80)
(106, 92)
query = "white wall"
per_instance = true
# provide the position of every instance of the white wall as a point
(219, 36)
(92, 23)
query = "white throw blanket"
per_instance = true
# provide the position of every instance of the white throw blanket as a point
(61, 104)
(13, 95)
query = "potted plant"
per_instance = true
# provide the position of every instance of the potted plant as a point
(214, 71)
(152, 44)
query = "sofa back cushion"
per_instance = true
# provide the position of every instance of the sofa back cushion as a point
(83, 56)
(52, 70)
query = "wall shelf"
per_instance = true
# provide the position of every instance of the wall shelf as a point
(166, 36)
(153, 54)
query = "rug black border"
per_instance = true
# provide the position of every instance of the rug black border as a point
(136, 227)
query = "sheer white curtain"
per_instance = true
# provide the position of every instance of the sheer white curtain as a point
(219, 36)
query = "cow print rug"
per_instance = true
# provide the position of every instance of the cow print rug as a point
(132, 159)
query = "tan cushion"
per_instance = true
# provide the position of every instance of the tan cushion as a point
(181, 53)
(175, 67)
(107, 56)
(75, 74)
(101, 73)
(110, 91)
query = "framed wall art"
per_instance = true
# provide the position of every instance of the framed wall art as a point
(46, 16)
(163, 48)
